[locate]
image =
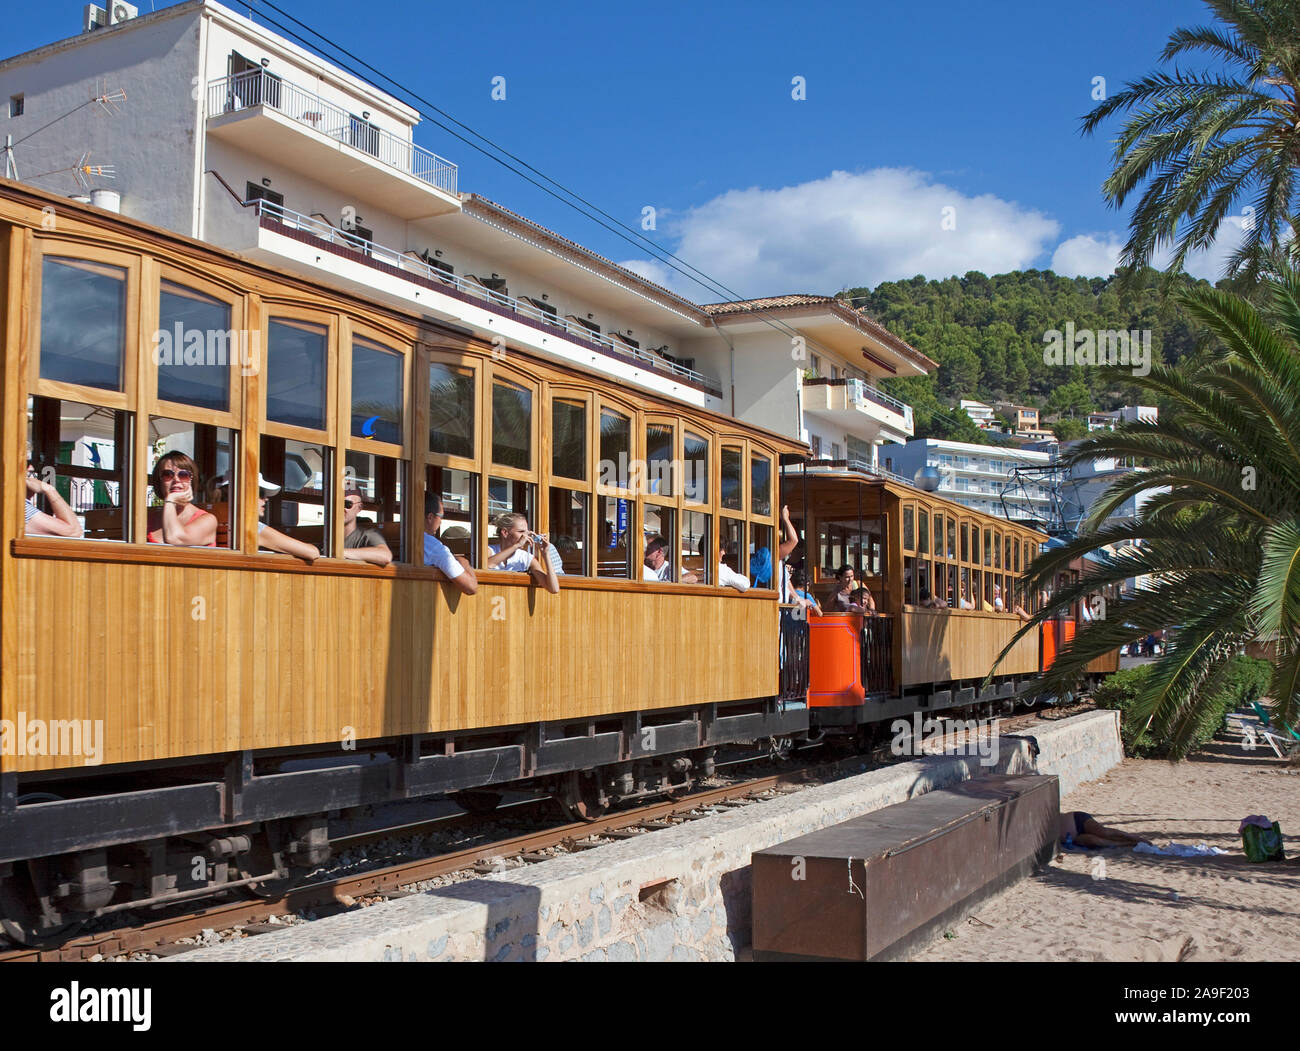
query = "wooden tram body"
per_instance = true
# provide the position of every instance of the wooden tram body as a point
(242, 695)
(901, 541)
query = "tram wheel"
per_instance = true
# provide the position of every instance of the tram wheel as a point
(27, 917)
(581, 797)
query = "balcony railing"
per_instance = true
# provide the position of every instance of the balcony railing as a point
(259, 88)
(877, 655)
(856, 466)
(413, 264)
(858, 391)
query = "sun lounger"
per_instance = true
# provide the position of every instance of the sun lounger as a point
(1287, 737)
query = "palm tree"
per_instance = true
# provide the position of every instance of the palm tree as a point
(1204, 141)
(1220, 533)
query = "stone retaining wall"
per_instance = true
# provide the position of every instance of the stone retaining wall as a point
(677, 894)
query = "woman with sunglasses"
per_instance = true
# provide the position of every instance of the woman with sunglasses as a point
(179, 521)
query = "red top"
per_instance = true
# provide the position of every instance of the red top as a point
(155, 515)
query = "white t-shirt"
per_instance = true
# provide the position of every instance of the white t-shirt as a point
(729, 578)
(520, 562)
(437, 555)
(664, 572)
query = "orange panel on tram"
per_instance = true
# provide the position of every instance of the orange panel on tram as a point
(834, 661)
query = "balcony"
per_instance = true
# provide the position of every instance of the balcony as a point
(266, 115)
(860, 408)
(376, 266)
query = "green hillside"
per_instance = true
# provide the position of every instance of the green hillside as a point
(987, 333)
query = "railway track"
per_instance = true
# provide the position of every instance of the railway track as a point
(338, 894)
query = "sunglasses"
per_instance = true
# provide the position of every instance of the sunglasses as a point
(350, 504)
(167, 474)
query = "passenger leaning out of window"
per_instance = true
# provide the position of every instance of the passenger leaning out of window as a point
(60, 521)
(657, 564)
(519, 551)
(272, 539)
(362, 543)
(180, 521)
(457, 570)
(727, 577)
(845, 586)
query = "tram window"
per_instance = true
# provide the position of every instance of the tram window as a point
(614, 551)
(381, 480)
(909, 541)
(923, 576)
(695, 481)
(731, 480)
(909, 580)
(997, 550)
(304, 472)
(512, 426)
(950, 592)
(615, 448)
(964, 590)
(1015, 550)
(762, 565)
(760, 489)
(988, 547)
(75, 448)
(976, 588)
(568, 529)
(451, 410)
(696, 542)
(459, 492)
(1006, 558)
(376, 393)
(952, 537)
(1029, 556)
(296, 366)
(661, 521)
(83, 323)
(965, 541)
(569, 439)
(195, 348)
(659, 459)
(212, 450)
(988, 589)
(507, 496)
(938, 535)
(731, 536)
(923, 532)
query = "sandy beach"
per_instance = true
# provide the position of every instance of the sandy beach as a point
(1118, 905)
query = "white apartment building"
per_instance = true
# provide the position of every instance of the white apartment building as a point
(977, 476)
(982, 415)
(1098, 421)
(234, 135)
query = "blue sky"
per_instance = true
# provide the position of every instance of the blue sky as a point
(688, 109)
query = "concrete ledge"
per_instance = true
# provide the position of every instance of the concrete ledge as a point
(681, 893)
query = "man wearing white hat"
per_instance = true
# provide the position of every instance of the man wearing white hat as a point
(273, 539)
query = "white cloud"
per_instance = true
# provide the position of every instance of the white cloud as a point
(1096, 255)
(848, 229)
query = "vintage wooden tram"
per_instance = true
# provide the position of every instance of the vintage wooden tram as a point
(183, 721)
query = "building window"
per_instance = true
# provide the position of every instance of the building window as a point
(16, 105)
(256, 192)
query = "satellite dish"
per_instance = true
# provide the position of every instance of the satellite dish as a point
(927, 479)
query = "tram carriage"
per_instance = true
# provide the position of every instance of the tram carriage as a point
(221, 703)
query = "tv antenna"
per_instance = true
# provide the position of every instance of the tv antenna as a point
(106, 101)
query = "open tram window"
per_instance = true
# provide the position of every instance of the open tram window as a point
(614, 548)
(965, 599)
(301, 508)
(988, 590)
(731, 540)
(84, 452)
(451, 410)
(569, 529)
(696, 543)
(509, 496)
(909, 580)
(950, 592)
(212, 450)
(661, 522)
(923, 579)
(762, 558)
(381, 481)
(83, 323)
(459, 492)
(976, 593)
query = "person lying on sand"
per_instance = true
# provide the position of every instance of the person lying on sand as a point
(1083, 830)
